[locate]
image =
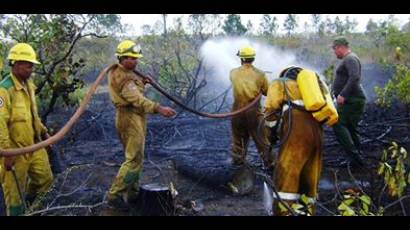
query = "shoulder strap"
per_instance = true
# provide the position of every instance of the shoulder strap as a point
(6, 83)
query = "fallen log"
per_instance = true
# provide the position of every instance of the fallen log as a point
(214, 170)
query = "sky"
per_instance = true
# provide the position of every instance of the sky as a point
(136, 21)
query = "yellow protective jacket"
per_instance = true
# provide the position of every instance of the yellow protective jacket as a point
(20, 124)
(127, 90)
(298, 166)
(247, 83)
(277, 98)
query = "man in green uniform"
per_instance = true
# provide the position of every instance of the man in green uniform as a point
(350, 98)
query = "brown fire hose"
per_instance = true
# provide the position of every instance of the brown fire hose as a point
(209, 115)
(63, 131)
(60, 134)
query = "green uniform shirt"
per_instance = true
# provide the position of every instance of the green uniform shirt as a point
(348, 77)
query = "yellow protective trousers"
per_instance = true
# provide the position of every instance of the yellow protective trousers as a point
(245, 126)
(299, 161)
(34, 177)
(131, 128)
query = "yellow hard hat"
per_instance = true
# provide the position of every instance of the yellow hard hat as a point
(128, 48)
(246, 52)
(23, 52)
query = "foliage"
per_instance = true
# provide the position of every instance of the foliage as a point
(396, 88)
(329, 74)
(204, 25)
(58, 75)
(269, 25)
(355, 203)
(393, 169)
(290, 23)
(233, 25)
(174, 61)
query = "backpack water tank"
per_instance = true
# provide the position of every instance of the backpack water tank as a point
(328, 114)
(310, 90)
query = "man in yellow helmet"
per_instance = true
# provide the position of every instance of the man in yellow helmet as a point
(247, 83)
(21, 126)
(127, 94)
(298, 165)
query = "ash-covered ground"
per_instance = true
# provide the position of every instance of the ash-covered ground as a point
(193, 153)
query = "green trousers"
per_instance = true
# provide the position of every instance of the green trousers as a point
(350, 114)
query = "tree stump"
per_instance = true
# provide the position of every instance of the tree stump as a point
(155, 200)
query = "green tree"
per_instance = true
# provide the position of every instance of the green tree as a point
(204, 25)
(233, 25)
(338, 26)
(395, 38)
(397, 88)
(371, 27)
(268, 25)
(350, 25)
(175, 63)
(198, 23)
(329, 26)
(322, 29)
(290, 23)
(249, 27)
(55, 37)
(164, 24)
(316, 22)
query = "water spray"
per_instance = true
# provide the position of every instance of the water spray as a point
(62, 132)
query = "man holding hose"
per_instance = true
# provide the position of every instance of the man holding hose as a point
(247, 83)
(21, 126)
(127, 94)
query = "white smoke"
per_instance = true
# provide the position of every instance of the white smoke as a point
(219, 56)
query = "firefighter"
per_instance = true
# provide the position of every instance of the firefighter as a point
(247, 83)
(126, 91)
(298, 163)
(21, 126)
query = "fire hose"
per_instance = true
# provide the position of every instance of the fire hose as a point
(63, 131)
(209, 115)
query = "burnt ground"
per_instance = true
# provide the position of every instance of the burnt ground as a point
(193, 154)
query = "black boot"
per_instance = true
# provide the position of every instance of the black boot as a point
(118, 203)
